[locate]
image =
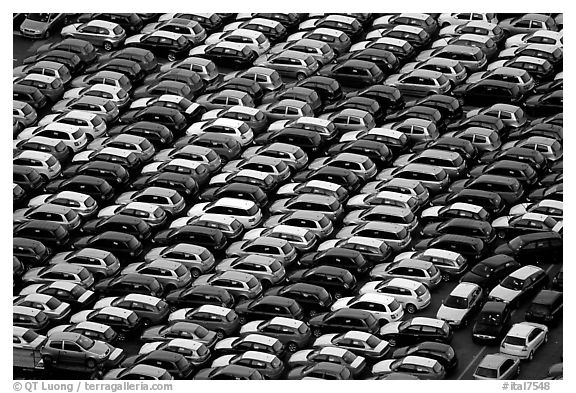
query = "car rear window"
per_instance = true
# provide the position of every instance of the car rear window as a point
(373, 341)
(303, 328)
(421, 290)
(275, 266)
(487, 372)
(118, 30)
(51, 161)
(180, 271)
(30, 336)
(286, 248)
(252, 283)
(77, 134)
(53, 303)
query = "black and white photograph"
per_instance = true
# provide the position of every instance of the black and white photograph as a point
(287, 195)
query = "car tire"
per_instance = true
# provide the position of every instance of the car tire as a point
(316, 332)
(292, 347)
(242, 319)
(146, 322)
(195, 273)
(48, 361)
(107, 46)
(411, 309)
(90, 363)
(173, 308)
(171, 57)
(501, 234)
(337, 295)
(241, 298)
(121, 337)
(531, 355)
(300, 76)
(446, 277)
(392, 342)
(220, 334)
(312, 313)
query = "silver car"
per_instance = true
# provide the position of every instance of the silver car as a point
(420, 82)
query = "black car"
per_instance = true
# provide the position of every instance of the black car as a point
(461, 146)
(389, 97)
(448, 106)
(171, 46)
(341, 176)
(418, 112)
(338, 282)
(461, 226)
(242, 84)
(546, 307)
(169, 117)
(490, 271)
(134, 226)
(19, 196)
(156, 134)
(84, 49)
(268, 306)
(378, 152)
(443, 353)
(30, 95)
(184, 184)
(175, 363)
(520, 154)
(30, 252)
(470, 247)
(226, 146)
(343, 258)
(312, 298)
(342, 321)
(199, 295)
(555, 191)
(50, 233)
(188, 77)
(97, 188)
(545, 104)
(114, 174)
(509, 188)
(251, 342)
(416, 330)
(129, 283)
(354, 73)
(483, 121)
(71, 60)
(490, 201)
(493, 322)
(327, 88)
(123, 245)
(248, 192)
(310, 141)
(367, 104)
(385, 60)
(295, 93)
(534, 248)
(130, 68)
(211, 22)
(211, 238)
(546, 130)
(235, 56)
(558, 281)
(161, 87)
(144, 57)
(28, 178)
(487, 92)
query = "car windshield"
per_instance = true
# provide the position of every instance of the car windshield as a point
(456, 302)
(39, 17)
(84, 274)
(516, 243)
(373, 341)
(513, 340)
(490, 318)
(201, 332)
(85, 342)
(482, 270)
(512, 283)
(486, 372)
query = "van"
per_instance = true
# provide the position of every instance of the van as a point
(546, 307)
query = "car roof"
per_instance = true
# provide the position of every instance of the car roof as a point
(165, 264)
(464, 289)
(137, 297)
(34, 154)
(375, 298)
(259, 338)
(166, 34)
(493, 360)
(525, 272)
(426, 73)
(286, 322)
(428, 321)
(234, 202)
(26, 310)
(212, 309)
(116, 311)
(235, 275)
(422, 361)
(102, 23)
(521, 329)
(466, 206)
(414, 263)
(297, 231)
(437, 252)
(231, 45)
(89, 325)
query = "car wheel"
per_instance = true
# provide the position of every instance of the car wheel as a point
(337, 295)
(48, 361)
(518, 371)
(292, 347)
(121, 337)
(531, 355)
(146, 322)
(171, 57)
(241, 298)
(445, 277)
(220, 334)
(312, 313)
(266, 284)
(317, 332)
(44, 178)
(411, 309)
(195, 273)
(501, 234)
(173, 308)
(242, 319)
(392, 342)
(107, 46)
(90, 363)
(300, 76)
(545, 338)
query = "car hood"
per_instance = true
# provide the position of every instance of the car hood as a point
(328, 244)
(451, 314)
(300, 356)
(350, 136)
(353, 217)
(235, 248)
(404, 255)
(222, 361)
(250, 327)
(383, 366)
(431, 211)
(518, 210)
(504, 294)
(253, 233)
(108, 211)
(346, 232)
(39, 26)
(357, 200)
(431, 229)
(104, 302)
(501, 222)
(135, 39)
(287, 189)
(278, 205)
(31, 273)
(125, 197)
(197, 209)
(403, 160)
(392, 327)
(379, 270)
(385, 174)
(57, 329)
(113, 374)
(80, 316)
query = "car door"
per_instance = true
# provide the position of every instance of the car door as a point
(71, 354)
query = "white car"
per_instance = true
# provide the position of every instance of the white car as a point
(83, 204)
(47, 166)
(458, 308)
(385, 308)
(179, 165)
(411, 294)
(301, 238)
(152, 214)
(546, 37)
(390, 198)
(235, 128)
(550, 207)
(203, 312)
(449, 263)
(254, 39)
(73, 136)
(247, 212)
(194, 351)
(116, 94)
(190, 29)
(415, 364)
(523, 339)
(91, 123)
(460, 18)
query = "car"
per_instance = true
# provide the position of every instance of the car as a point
(139, 371)
(224, 321)
(420, 82)
(507, 74)
(253, 117)
(245, 211)
(129, 283)
(321, 51)
(384, 308)
(125, 322)
(62, 271)
(274, 166)
(356, 253)
(313, 299)
(497, 366)
(545, 104)
(68, 59)
(169, 200)
(304, 94)
(242, 286)
(510, 226)
(443, 353)
(40, 25)
(74, 294)
(235, 55)
(360, 343)
(150, 309)
(528, 23)
(153, 214)
(30, 318)
(337, 281)
(354, 72)
(362, 166)
(533, 248)
(49, 213)
(100, 263)
(322, 370)
(292, 333)
(199, 295)
(30, 95)
(172, 275)
(488, 272)
(72, 136)
(104, 107)
(400, 48)
(451, 69)
(546, 307)
(87, 354)
(462, 226)
(191, 29)
(109, 35)
(55, 310)
(459, 307)
(494, 320)
(187, 330)
(174, 363)
(82, 203)
(396, 236)
(269, 306)
(249, 342)
(256, 40)
(93, 330)
(167, 44)
(416, 330)
(355, 363)
(268, 365)
(196, 353)
(384, 198)
(519, 285)
(289, 63)
(413, 269)
(523, 339)
(422, 367)
(224, 99)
